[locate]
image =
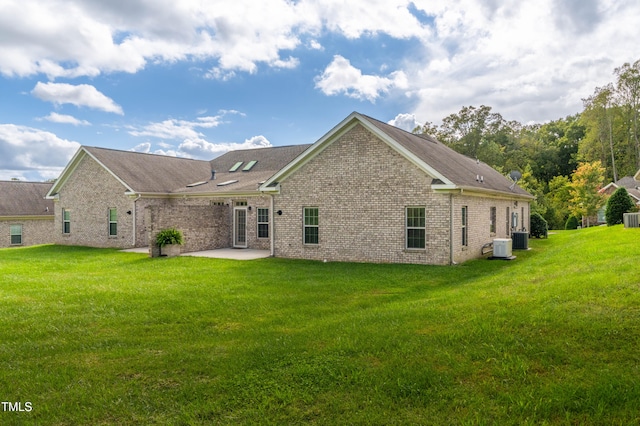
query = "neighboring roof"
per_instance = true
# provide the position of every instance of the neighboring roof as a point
(18, 198)
(449, 169)
(631, 184)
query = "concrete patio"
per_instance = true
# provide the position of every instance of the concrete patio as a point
(225, 253)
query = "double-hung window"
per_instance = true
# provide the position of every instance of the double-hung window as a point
(66, 221)
(113, 222)
(311, 227)
(416, 227)
(16, 234)
(263, 223)
(465, 229)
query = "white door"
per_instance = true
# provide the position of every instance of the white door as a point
(240, 227)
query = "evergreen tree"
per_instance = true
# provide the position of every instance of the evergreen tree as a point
(619, 204)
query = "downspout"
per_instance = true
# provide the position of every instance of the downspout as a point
(273, 226)
(134, 220)
(451, 261)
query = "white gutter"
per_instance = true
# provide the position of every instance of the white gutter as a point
(451, 261)
(273, 226)
(134, 220)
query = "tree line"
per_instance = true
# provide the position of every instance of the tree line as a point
(562, 162)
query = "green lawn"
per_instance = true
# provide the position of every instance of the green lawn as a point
(90, 337)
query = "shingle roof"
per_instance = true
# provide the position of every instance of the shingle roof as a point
(150, 173)
(19, 198)
(463, 171)
(631, 184)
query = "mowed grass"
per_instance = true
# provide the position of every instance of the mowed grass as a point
(92, 336)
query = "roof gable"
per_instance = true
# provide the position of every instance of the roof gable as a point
(140, 172)
(450, 169)
(20, 198)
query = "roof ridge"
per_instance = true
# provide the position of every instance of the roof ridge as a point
(140, 153)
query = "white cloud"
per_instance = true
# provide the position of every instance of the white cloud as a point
(340, 77)
(406, 122)
(200, 148)
(33, 152)
(54, 117)
(80, 95)
(173, 129)
(144, 147)
(528, 60)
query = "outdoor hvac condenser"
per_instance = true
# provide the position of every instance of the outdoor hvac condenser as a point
(502, 247)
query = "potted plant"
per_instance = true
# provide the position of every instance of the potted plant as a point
(169, 240)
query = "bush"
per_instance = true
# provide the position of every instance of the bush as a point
(539, 226)
(619, 204)
(572, 223)
(169, 236)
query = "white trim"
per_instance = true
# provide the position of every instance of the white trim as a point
(334, 134)
(235, 224)
(72, 166)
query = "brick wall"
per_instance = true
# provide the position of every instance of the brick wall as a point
(361, 187)
(205, 222)
(89, 194)
(479, 224)
(34, 231)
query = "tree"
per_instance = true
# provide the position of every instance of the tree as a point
(557, 200)
(538, 226)
(628, 91)
(586, 183)
(598, 119)
(619, 203)
(474, 133)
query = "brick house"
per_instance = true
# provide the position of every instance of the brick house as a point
(365, 192)
(370, 192)
(26, 217)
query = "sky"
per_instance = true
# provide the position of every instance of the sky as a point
(195, 78)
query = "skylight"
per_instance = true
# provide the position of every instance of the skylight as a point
(236, 166)
(191, 185)
(228, 182)
(249, 165)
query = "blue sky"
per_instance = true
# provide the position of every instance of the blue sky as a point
(196, 79)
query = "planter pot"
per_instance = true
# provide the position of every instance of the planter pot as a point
(170, 250)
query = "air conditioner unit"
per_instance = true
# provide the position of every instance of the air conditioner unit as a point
(502, 247)
(631, 220)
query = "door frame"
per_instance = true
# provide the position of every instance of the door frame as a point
(236, 224)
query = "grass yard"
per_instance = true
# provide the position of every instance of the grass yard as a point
(100, 337)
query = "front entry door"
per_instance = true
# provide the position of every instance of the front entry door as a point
(240, 227)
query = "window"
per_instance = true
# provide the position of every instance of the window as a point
(16, 234)
(508, 222)
(311, 225)
(492, 220)
(465, 221)
(263, 223)
(416, 227)
(113, 222)
(66, 221)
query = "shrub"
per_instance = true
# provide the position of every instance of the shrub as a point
(619, 204)
(572, 223)
(538, 226)
(169, 236)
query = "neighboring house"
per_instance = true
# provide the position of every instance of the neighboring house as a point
(631, 183)
(26, 217)
(365, 192)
